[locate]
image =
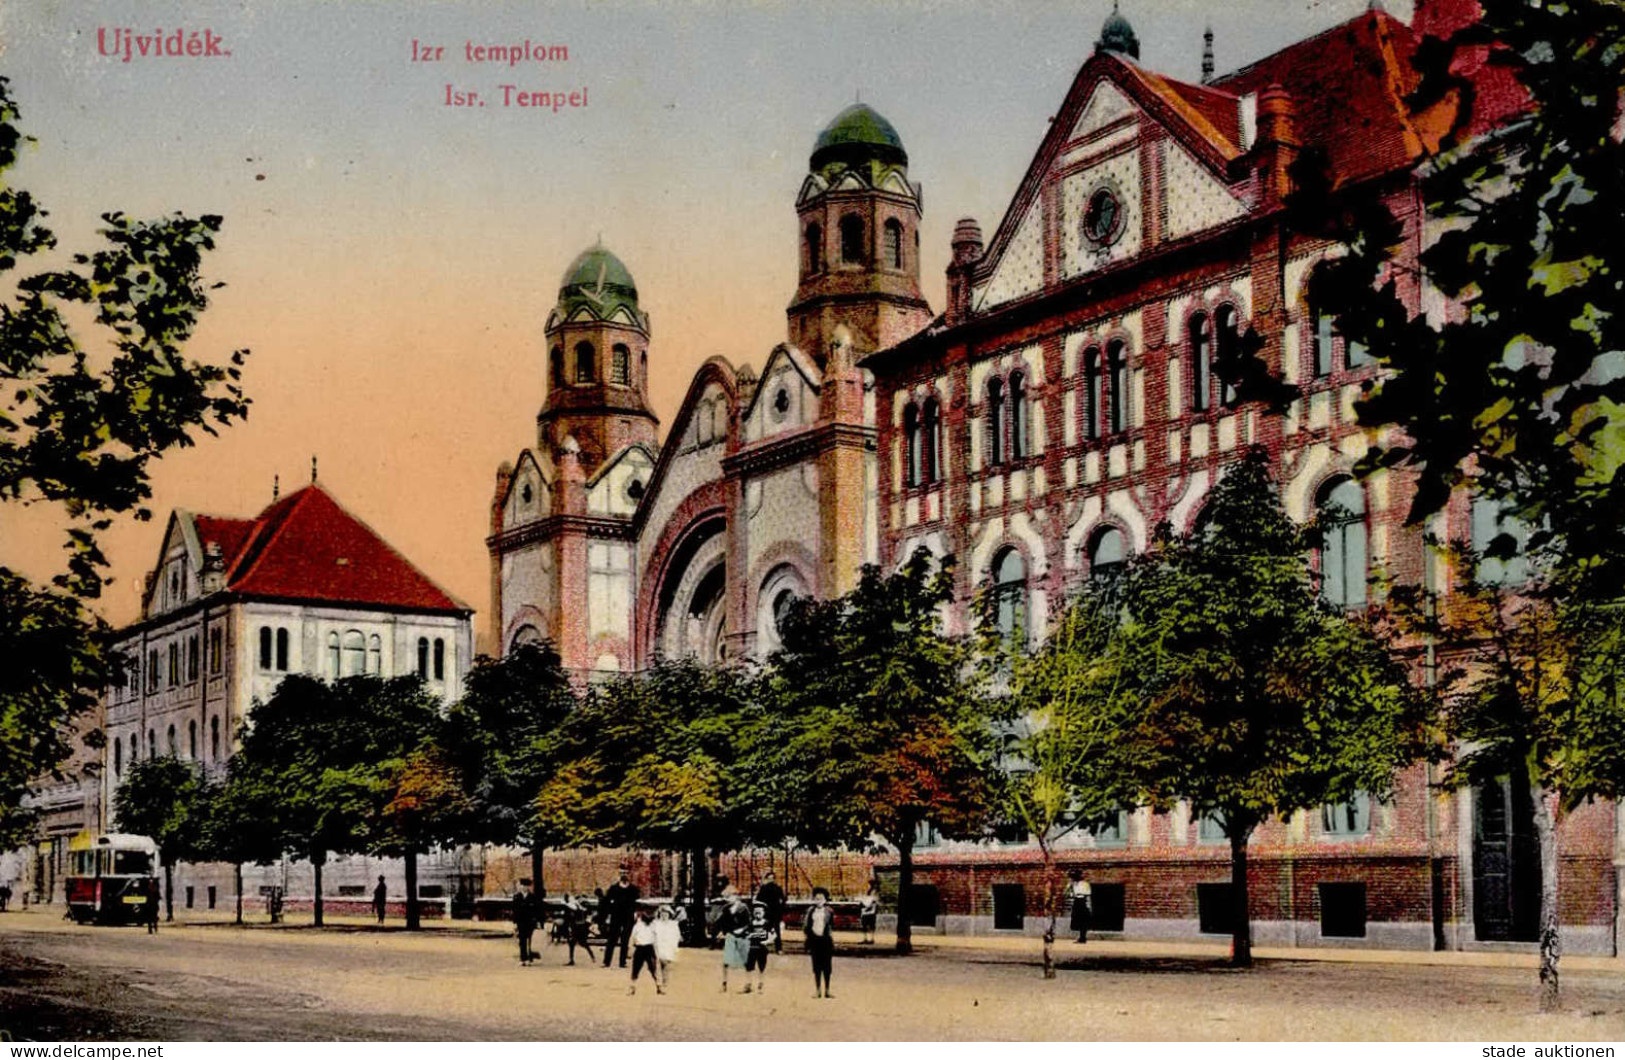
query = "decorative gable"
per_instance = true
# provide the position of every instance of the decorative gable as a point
(1197, 201)
(1021, 267)
(620, 484)
(530, 494)
(786, 397)
(1106, 105)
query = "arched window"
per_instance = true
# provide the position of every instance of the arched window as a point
(282, 649)
(620, 364)
(1117, 365)
(355, 653)
(1493, 518)
(214, 738)
(1226, 340)
(1342, 552)
(216, 640)
(423, 657)
(439, 659)
(118, 756)
(996, 427)
(1108, 551)
(555, 360)
(375, 655)
(152, 670)
(265, 647)
(586, 369)
(1091, 393)
(852, 240)
(894, 244)
(1018, 416)
(1010, 594)
(931, 441)
(527, 634)
(191, 739)
(191, 658)
(1325, 334)
(815, 248)
(174, 663)
(1200, 360)
(335, 664)
(152, 743)
(173, 748)
(911, 446)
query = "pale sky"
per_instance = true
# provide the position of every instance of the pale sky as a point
(391, 260)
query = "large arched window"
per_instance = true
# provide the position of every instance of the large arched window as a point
(526, 634)
(620, 364)
(852, 239)
(815, 248)
(1092, 393)
(1226, 340)
(931, 441)
(1010, 594)
(1018, 416)
(997, 428)
(1200, 361)
(375, 655)
(355, 653)
(1108, 551)
(1343, 547)
(911, 446)
(282, 649)
(586, 370)
(1117, 365)
(894, 243)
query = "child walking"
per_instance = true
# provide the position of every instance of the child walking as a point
(820, 926)
(643, 951)
(668, 934)
(761, 931)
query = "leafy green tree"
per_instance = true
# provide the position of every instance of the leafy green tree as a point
(234, 813)
(1070, 760)
(159, 798)
(426, 806)
(497, 738)
(1255, 699)
(883, 725)
(78, 432)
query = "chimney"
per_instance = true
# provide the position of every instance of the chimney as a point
(572, 494)
(1207, 56)
(967, 251)
(1277, 144)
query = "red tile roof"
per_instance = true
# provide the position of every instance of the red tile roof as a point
(307, 547)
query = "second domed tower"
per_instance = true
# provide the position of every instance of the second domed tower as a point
(860, 251)
(597, 362)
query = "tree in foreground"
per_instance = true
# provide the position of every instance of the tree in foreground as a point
(884, 727)
(79, 433)
(161, 798)
(1255, 699)
(234, 814)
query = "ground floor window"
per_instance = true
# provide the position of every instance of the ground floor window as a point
(1106, 901)
(212, 897)
(1009, 906)
(190, 894)
(1342, 910)
(1215, 909)
(923, 905)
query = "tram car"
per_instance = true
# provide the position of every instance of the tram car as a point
(109, 877)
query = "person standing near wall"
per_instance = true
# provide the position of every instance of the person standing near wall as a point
(820, 929)
(1080, 892)
(524, 922)
(380, 899)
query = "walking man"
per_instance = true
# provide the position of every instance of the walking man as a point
(380, 898)
(771, 895)
(820, 928)
(621, 898)
(524, 921)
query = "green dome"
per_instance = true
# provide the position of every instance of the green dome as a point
(858, 133)
(598, 279)
(1118, 36)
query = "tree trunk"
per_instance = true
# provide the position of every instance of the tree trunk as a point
(905, 887)
(317, 860)
(536, 869)
(697, 896)
(238, 872)
(1551, 944)
(1051, 908)
(412, 921)
(169, 891)
(1241, 923)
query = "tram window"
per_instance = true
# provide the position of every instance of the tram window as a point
(131, 863)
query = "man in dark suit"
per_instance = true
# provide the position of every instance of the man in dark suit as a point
(621, 900)
(771, 895)
(524, 921)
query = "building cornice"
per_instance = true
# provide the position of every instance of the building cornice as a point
(553, 525)
(781, 451)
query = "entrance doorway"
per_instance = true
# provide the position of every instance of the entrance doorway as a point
(1506, 863)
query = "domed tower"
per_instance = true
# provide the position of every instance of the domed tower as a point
(1118, 36)
(597, 363)
(859, 219)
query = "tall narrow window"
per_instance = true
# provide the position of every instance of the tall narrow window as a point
(1343, 546)
(1493, 519)
(815, 248)
(620, 364)
(894, 244)
(152, 743)
(1018, 417)
(192, 660)
(191, 739)
(335, 657)
(214, 738)
(555, 361)
(931, 441)
(586, 370)
(375, 655)
(852, 240)
(1010, 594)
(1092, 393)
(1200, 362)
(911, 446)
(996, 429)
(174, 671)
(173, 748)
(282, 650)
(265, 647)
(439, 659)
(118, 756)
(355, 653)
(423, 657)
(1324, 334)
(216, 641)
(1226, 344)
(1117, 364)
(152, 670)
